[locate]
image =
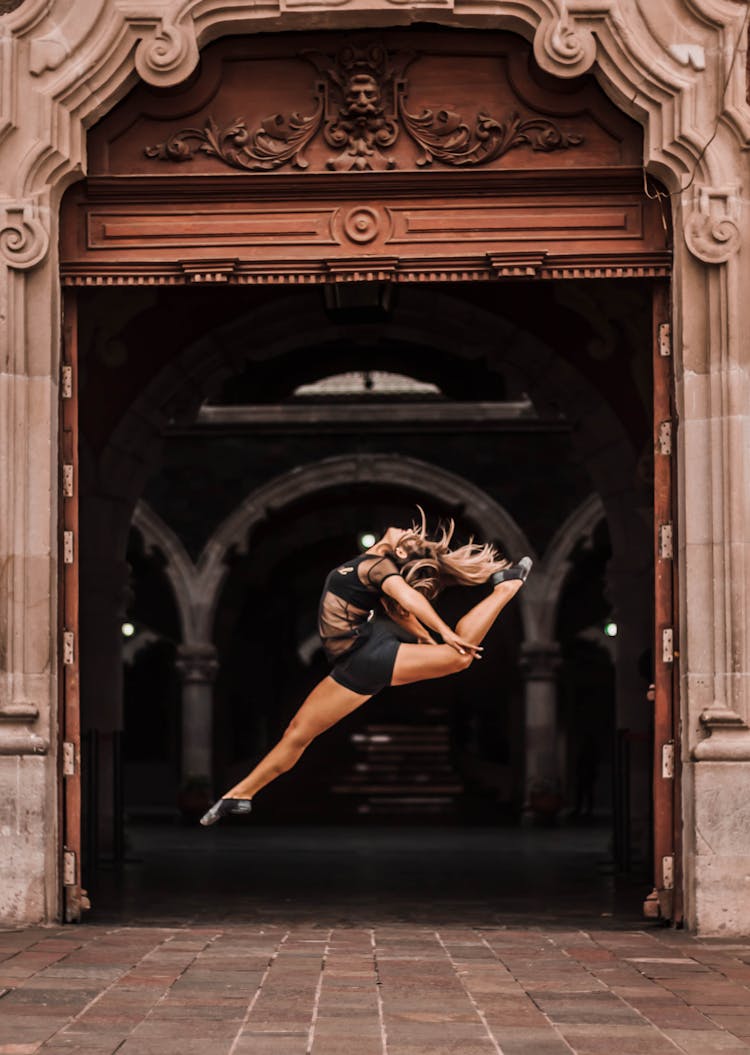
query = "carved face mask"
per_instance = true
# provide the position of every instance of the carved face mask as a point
(362, 95)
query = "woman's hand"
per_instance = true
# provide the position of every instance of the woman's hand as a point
(450, 637)
(418, 605)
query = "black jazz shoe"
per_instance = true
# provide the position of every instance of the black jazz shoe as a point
(515, 571)
(225, 806)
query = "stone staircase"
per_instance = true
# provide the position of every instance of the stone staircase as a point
(402, 770)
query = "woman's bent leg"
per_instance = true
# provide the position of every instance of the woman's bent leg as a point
(422, 662)
(327, 704)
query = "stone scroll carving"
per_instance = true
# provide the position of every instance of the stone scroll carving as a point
(563, 47)
(24, 236)
(360, 109)
(169, 55)
(711, 231)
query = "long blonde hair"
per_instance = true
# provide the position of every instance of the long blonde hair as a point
(431, 565)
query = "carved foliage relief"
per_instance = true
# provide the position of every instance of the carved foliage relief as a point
(360, 109)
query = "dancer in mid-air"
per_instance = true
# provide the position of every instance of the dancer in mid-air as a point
(375, 619)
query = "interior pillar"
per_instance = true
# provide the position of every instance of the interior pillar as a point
(197, 666)
(540, 662)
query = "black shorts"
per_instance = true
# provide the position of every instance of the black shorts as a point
(368, 667)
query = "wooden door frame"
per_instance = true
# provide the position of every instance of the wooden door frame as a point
(74, 898)
(666, 901)
(154, 258)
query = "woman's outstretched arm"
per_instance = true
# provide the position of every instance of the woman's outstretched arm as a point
(416, 603)
(408, 621)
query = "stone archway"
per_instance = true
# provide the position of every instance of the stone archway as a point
(692, 141)
(457, 329)
(197, 585)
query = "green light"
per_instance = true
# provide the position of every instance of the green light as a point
(610, 629)
(367, 539)
(128, 629)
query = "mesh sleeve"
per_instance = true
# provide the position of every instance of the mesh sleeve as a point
(375, 572)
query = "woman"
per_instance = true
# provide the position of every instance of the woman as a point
(404, 570)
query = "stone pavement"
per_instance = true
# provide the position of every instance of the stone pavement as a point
(390, 989)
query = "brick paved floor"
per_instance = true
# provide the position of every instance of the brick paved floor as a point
(398, 989)
(240, 940)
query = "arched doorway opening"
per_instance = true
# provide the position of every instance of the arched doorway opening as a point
(291, 531)
(575, 347)
(180, 482)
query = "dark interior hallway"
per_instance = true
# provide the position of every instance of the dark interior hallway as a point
(246, 873)
(242, 459)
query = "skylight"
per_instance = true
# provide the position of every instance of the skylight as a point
(366, 383)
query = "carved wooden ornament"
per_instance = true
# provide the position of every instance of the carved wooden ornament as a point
(361, 106)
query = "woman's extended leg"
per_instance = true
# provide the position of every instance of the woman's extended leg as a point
(421, 662)
(475, 624)
(327, 704)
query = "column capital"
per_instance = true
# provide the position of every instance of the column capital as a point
(197, 664)
(540, 660)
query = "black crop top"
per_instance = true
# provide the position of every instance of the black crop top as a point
(348, 600)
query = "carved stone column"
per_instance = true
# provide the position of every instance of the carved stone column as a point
(29, 891)
(713, 395)
(540, 662)
(197, 666)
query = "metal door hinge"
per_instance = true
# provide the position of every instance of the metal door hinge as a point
(69, 868)
(666, 551)
(665, 339)
(667, 760)
(67, 481)
(667, 645)
(69, 640)
(69, 759)
(664, 440)
(667, 871)
(66, 386)
(67, 547)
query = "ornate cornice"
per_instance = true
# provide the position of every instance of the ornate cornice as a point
(486, 268)
(568, 38)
